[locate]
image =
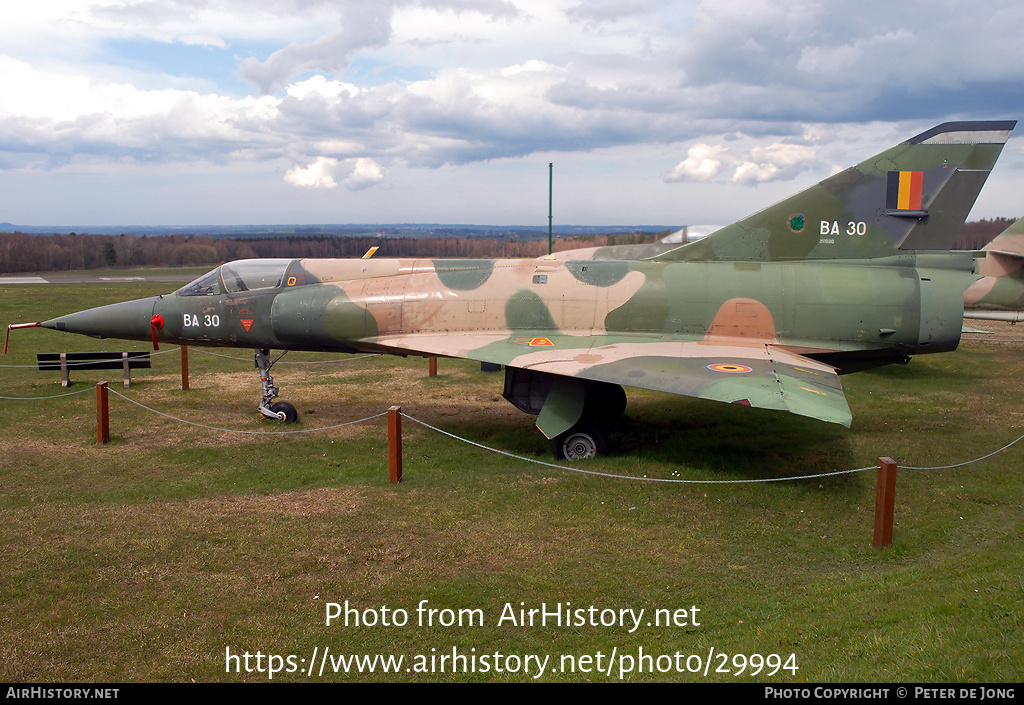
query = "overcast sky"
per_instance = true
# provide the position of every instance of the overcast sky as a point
(449, 111)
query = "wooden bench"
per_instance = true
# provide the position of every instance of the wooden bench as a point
(94, 361)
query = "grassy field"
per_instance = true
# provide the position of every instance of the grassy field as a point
(162, 555)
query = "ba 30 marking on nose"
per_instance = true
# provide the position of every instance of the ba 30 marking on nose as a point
(209, 320)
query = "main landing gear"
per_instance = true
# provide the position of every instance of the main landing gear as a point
(581, 442)
(281, 410)
(603, 405)
(573, 412)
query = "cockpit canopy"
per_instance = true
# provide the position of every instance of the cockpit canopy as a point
(241, 275)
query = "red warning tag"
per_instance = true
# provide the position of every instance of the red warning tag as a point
(246, 318)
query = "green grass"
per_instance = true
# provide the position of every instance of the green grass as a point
(144, 559)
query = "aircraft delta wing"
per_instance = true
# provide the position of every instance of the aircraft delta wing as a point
(851, 273)
(999, 294)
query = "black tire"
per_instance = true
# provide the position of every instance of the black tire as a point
(290, 414)
(580, 443)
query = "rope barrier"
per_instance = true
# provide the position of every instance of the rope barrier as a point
(234, 430)
(694, 482)
(55, 396)
(631, 477)
(966, 462)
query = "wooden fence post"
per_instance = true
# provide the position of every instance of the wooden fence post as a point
(395, 444)
(885, 502)
(102, 414)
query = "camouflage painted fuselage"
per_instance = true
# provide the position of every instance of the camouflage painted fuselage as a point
(842, 310)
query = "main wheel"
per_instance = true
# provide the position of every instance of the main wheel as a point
(290, 414)
(579, 443)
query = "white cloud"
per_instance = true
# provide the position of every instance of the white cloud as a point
(775, 162)
(321, 174)
(364, 25)
(329, 53)
(50, 118)
(600, 11)
(320, 86)
(206, 39)
(317, 175)
(701, 164)
(343, 147)
(365, 173)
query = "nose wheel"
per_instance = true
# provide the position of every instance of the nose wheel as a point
(284, 411)
(277, 410)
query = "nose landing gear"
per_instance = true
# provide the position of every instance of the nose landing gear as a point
(281, 410)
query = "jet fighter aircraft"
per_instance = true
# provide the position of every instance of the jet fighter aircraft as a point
(851, 273)
(999, 294)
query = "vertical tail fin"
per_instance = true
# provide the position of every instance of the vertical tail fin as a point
(914, 196)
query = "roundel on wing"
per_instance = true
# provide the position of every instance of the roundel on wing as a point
(729, 368)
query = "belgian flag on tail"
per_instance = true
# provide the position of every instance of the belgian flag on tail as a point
(903, 190)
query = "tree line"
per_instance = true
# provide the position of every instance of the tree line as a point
(22, 252)
(978, 233)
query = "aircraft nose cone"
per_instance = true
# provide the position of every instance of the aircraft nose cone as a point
(129, 320)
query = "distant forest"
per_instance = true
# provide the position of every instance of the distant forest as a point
(22, 252)
(978, 233)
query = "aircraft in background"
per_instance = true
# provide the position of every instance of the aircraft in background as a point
(686, 234)
(999, 294)
(690, 233)
(851, 273)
